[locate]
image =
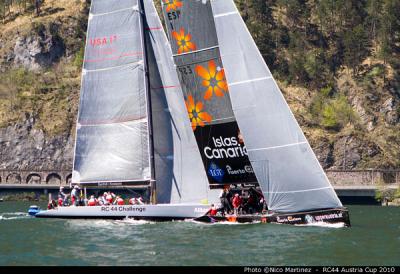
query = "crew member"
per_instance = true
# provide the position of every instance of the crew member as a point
(225, 200)
(119, 201)
(140, 201)
(75, 195)
(62, 197)
(109, 198)
(213, 211)
(92, 201)
(237, 202)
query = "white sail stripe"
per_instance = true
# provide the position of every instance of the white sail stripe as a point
(288, 145)
(195, 51)
(111, 181)
(249, 81)
(113, 123)
(135, 8)
(225, 14)
(297, 191)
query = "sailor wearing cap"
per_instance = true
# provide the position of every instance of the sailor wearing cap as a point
(61, 196)
(75, 195)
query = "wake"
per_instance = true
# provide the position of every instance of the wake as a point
(13, 216)
(327, 225)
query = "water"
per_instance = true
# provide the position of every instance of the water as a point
(373, 239)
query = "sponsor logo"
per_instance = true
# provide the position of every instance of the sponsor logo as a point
(246, 169)
(200, 210)
(309, 219)
(329, 216)
(287, 219)
(109, 184)
(183, 41)
(213, 80)
(225, 148)
(215, 172)
(122, 209)
(173, 5)
(197, 116)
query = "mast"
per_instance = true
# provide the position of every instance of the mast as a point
(153, 196)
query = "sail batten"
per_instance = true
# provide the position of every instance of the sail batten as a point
(286, 168)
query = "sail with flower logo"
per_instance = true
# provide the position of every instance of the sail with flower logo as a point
(196, 51)
(132, 123)
(233, 99)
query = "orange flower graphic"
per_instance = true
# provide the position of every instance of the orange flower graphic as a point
(173, 5)
(183, 41)
(196, 115)
(212, 79)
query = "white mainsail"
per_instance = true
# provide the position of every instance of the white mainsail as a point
(287, 169)
(112, 143)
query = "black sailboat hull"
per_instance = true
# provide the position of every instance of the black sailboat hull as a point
(330, 216)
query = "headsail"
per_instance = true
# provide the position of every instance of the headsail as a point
(180, 175)
(195, 46)
(286, 167)
(112, 143)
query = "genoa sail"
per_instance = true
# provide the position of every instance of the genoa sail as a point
(112, 142)
(180, 176)
(194, 43)
(287, 169)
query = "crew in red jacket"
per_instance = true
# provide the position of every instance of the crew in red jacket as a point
(236, 202)
(92, 201)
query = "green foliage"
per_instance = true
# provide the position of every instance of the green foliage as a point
(397, 193)
(384, 194)
(355, 41)
(78, 61)
(331, 111)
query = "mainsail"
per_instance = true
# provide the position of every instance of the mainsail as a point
(196, 53)
(112, 143)
(287, 170)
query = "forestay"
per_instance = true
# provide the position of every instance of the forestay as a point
(180, 175)
(287, 170)
(112, 143)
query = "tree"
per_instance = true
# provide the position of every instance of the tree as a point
(355, 42)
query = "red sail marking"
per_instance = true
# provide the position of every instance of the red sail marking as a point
(128, 54)
(163, 87)
(154, 28)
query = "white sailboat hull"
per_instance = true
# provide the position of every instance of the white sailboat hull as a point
(143, 212)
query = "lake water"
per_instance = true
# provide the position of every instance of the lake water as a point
(373, 239)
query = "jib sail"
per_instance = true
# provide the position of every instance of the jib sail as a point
(196, 52)
(180, 176)
(287, 169)
(112, 143)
